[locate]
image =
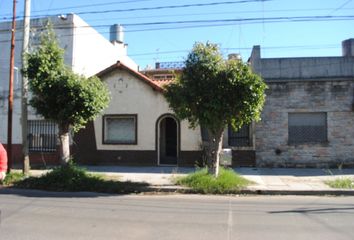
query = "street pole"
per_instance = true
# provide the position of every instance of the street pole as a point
(11, 89)
(24, 100)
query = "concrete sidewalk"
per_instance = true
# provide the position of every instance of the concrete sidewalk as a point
(266, 180)
(295, 180)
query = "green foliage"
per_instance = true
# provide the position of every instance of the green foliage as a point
(214, 92)
(73, 178)
(227, 182)
(58, 93)
(12, 177)
(344, 183)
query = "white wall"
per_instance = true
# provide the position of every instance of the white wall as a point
(5, 38)
(133, 96)
(92, 52)
(86, 52)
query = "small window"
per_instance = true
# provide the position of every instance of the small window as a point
(240, 138)
(120, 129)
(42, 136)
(307, 128)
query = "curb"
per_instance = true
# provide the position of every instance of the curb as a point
(183, 190)
(156, 190)
(299, 192)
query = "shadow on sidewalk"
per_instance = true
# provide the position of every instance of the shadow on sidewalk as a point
(152, 170)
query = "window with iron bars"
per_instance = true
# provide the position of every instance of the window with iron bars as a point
(307, 127)
(42, 136)
(241, 137)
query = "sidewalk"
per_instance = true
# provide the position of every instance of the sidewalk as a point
(295, 181)
(266, 180)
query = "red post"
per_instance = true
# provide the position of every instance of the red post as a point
(11, 89)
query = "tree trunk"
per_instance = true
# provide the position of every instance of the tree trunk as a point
(213, 152)
(64, 144)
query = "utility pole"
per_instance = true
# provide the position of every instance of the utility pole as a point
(24, 99)
(11, 89)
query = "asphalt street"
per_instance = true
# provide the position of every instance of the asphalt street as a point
(42, 215)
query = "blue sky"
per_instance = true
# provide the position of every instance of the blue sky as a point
(273, 24)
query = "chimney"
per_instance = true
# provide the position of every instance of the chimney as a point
(348, 48)
(116, 33)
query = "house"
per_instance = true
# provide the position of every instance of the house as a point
(308, 117)
(138, 127)
(83, 46)
(307, 121)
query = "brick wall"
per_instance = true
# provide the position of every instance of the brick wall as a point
(334, 97)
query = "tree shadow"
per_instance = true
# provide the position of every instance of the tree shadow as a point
(317, 211)
(137, 169)
(133, 188)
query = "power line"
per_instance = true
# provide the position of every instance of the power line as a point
(208, 22)
(164, 7)
(216, 13)
(172, 28)
(86, 6)
(212, 13)
(302, 18)
(174, 6)
(221, 23)
(230, 23)
(289, 47)
(95, 5)
(295, 47)
(341, 6)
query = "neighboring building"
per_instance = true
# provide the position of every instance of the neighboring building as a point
(307, 121)
(308, 117)
(164, 72)
(86, 52)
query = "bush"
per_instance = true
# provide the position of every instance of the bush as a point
(345, 183)
(12, 177)
(73, 178)
(201, 182)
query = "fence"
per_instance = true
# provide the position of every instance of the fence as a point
(42, 136)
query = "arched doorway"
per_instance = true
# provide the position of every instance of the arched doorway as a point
(167, 140)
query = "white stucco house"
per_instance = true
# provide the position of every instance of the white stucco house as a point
(138, 127)
(86, 52)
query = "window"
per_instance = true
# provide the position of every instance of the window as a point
(164, 77)
(42, 136)
(307, 127)
(240, 138)
(120, 129)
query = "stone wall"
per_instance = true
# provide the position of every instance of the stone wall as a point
(335, 97)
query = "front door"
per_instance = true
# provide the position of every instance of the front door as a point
(168, 141)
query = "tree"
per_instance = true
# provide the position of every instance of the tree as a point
(213, 93)
(58, 94)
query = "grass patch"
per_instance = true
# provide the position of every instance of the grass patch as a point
(72, 178)
(344, 183)
(11, 178)
(201, 182)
